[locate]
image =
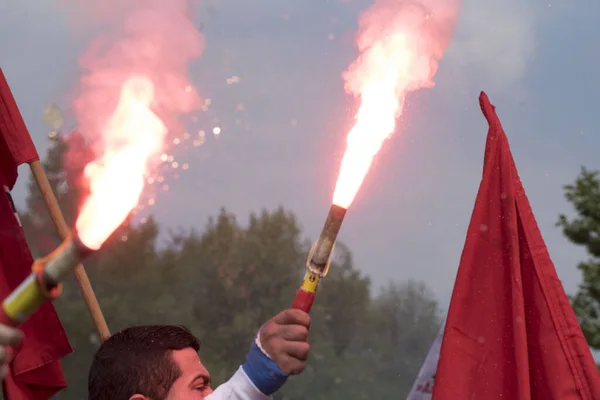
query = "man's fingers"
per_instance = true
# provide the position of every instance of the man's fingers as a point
(297, 350)
(291, 365)
(292, 317)
(293, 333)
(10, 336)
(285, 340)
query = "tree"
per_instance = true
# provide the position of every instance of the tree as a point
(408, 323)
(386, 347)
(239, 277)
(584, 230)
(236, 279)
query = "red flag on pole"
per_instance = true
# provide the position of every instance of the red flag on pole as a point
(35, 371)
(511, 332)
(16, 146)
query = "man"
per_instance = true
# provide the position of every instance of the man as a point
(161, 362)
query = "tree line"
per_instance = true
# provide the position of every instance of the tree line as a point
(224, 281)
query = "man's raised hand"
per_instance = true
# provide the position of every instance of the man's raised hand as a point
(285, 339)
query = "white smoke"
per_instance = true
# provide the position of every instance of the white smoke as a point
(495, 42)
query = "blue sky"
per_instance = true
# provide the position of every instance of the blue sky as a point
(537, 61)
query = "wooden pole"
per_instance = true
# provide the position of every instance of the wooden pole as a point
(63, 231)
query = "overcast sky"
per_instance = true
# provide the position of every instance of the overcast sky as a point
(284, 123)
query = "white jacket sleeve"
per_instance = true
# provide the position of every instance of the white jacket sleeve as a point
(239, 387)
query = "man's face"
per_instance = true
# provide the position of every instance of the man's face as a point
(194, 382)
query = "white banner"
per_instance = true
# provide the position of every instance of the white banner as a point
(423, 387)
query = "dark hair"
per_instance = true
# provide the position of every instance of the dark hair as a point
(138, 360)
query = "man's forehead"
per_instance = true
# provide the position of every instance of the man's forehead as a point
(189, 362)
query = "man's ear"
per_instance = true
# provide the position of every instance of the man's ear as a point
(139, 397)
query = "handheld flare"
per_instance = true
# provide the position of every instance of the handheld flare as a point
(319, 258)
(44, 282)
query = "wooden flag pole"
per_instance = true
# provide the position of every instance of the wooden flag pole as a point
(63, 231)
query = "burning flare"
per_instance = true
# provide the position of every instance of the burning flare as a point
(400, 44)
(132, 135)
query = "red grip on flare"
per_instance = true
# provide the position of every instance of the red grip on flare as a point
(303, 300)
(5, 319)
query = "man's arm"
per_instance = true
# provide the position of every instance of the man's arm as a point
(280, 349)
(239, 387)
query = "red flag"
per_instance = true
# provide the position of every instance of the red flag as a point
(16, 146)
(511, 332)
(35, 371)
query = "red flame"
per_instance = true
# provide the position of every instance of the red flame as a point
(139, 62)
(400, 44)
(132, 135)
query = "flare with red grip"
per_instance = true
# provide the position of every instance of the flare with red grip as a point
(44, 282)
(319, 259)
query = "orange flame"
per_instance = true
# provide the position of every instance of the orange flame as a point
(400, 45)
(132, 135)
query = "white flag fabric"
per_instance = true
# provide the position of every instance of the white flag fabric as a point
(423, 387)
